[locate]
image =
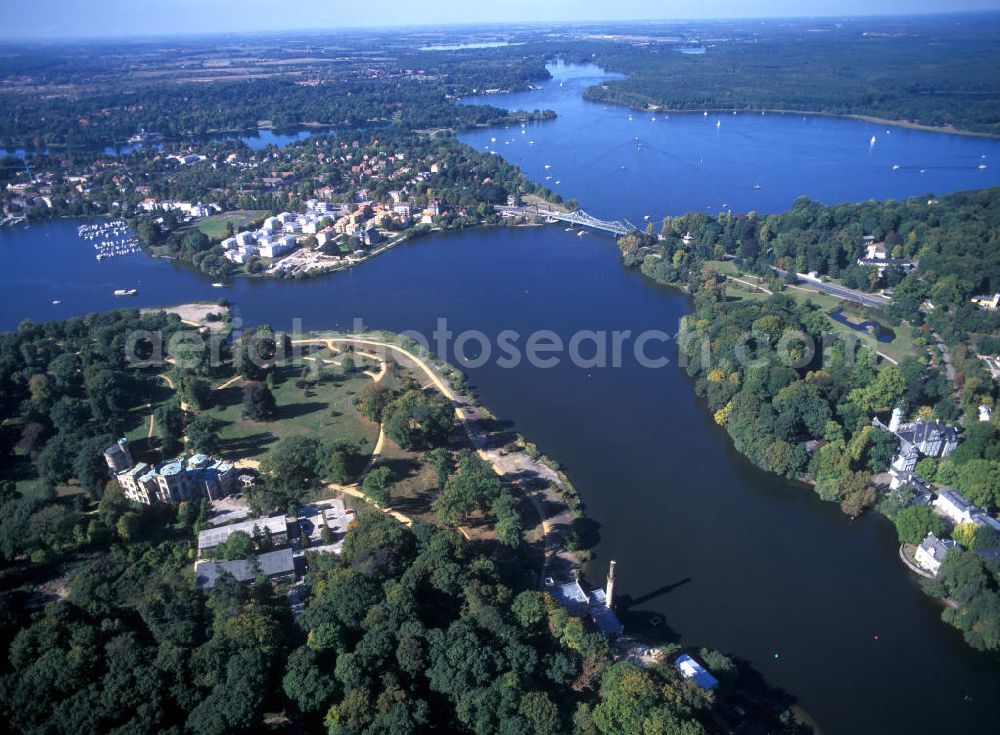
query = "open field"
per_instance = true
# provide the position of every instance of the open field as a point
(325, 410)
(217, 227)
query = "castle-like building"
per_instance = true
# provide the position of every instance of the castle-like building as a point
(172, 481)
(916, 439)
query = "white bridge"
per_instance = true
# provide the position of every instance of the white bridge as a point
(579, 217)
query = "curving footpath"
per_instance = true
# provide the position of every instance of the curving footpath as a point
(554, 524)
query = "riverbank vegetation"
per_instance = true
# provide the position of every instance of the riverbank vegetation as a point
(809, 415)
(408, 629)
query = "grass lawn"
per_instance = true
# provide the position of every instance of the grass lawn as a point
(217, 227)
(900, 347)
(325, 411)
(725, 267)
(414, 483)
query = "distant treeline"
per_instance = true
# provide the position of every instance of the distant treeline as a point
(924, 71)
(99, 113)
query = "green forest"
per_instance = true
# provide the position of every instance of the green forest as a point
(808, 415)
(363, 94)
(938, 74)
(407, 630)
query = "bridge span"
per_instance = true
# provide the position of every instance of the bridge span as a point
(578, 217)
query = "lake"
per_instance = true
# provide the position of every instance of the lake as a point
(731, 557)
(621, 163)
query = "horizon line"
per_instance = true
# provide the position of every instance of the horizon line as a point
(512, 25)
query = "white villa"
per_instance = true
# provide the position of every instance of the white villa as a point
(932, 551)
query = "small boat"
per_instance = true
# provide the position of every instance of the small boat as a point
(756, 185)
(56, 302)
(548, 166)
(218, 285)
(718, 124)
(872, 141)
(895, 167)
(581, 232)
(125, 292)
(982, 166)
(493, 140)
(705, 113)
(569, 229)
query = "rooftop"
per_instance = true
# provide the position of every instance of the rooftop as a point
(172, 467)
(955, 499)
(604, 617)
(936, 547)
(212, 537)
(691, 669)
(138, 469)
(271, 564)
(570, 594)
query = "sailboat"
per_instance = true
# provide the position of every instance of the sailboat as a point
(718, 124)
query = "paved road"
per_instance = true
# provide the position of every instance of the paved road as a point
(841, 292)
(949, 371)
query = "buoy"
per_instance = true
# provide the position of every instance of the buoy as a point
(776, 655)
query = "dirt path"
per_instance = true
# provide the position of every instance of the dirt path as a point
(768, 291)
(229, 382)
(555, 523)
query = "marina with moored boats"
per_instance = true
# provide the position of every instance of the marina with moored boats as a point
(110, 239)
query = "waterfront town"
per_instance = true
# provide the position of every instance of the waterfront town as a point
(323, 531)
(334, 203)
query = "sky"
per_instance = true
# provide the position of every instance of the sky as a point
(116, 18)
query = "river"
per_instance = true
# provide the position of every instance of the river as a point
(731, 557)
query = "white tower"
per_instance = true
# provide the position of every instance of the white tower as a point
(609, 593)
(897, 419)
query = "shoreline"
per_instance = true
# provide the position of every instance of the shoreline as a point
(874, 119)
(560, 502)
